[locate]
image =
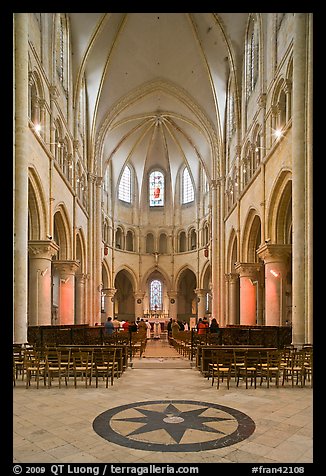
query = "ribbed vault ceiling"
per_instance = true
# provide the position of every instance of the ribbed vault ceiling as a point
(156, 87)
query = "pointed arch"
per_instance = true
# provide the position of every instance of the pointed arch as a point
(81, 253)
(62, 232)
(232, 252)
(251, 236)
(37, 211)
(279, 208)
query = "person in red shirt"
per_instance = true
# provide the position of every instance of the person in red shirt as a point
(202, 325)
(125, 325)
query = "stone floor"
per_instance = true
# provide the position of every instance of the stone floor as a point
(162, 414)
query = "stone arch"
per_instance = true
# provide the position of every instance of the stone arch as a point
(186, 284)
(151, 271)
(279, 210)
(37, 215)
(81, 250)
(62, 232)
(232, 252)
(251, 237)
(106, 276)
(125, 285)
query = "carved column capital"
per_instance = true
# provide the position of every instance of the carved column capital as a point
(42, 249)
(272, 253)
(200, 292)
(232, 277)
(81, 277)
(91, 177)
(54, 92)
(109, 292)
(76, 144)
(249, 270)
(66, 267)
(261, 101)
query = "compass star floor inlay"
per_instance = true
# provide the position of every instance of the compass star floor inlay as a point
(173, 425)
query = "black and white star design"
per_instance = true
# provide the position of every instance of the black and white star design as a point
(174, 421)
(142, 425)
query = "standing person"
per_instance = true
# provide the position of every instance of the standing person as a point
(149, 329)
(185, 326)
(109, 327)
(202, 326)
(142, 325)
(125, 325)
(116, 324)
(214, 327)
(132, 327)
(175, 328)
(169, 327)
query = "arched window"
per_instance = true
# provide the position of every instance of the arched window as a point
(182, 242)
(130, 241)
(124, 192)
(118, 238)
(230, 125)
(62, 51)
(188, 193)
(193, 239)
(252, 56)
(149, 243)
(163, 243)
(156, 189)
(155, 295)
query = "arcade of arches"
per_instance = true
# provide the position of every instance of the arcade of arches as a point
(151, 179)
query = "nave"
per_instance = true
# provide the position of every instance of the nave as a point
(191, 421)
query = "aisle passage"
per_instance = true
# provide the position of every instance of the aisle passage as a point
(160, 348)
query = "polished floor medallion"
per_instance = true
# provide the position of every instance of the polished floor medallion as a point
(173, 425)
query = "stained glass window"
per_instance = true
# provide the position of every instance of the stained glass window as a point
(125, 186)
(156, 295)
(156, 189)
(188, 194)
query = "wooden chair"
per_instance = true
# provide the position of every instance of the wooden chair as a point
(294, 370)
(104, 365)
(35, 368)
(250, 368)
(223, 366)
(54, 367)
(270, 367)
(82, 363)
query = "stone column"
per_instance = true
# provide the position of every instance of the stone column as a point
(173, 305)
(248, 309)
(299, 173)
(40, 283)
(80, 280)
(227, 299)
(139, 304)
(98, 251)
(66, 270)
(109, 301)
(233, 279)
(201, 303)
(20, 291)
(215, 254)
(275, 257)
(90, 252)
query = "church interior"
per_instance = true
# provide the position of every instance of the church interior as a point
(162, 173)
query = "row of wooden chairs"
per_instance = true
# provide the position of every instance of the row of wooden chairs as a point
(285, 365)
(80, 364)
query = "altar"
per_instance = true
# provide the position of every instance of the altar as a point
(158, 323)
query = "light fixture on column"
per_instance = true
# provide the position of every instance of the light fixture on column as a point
(274, 273)
(278, 133)
(43, 273)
